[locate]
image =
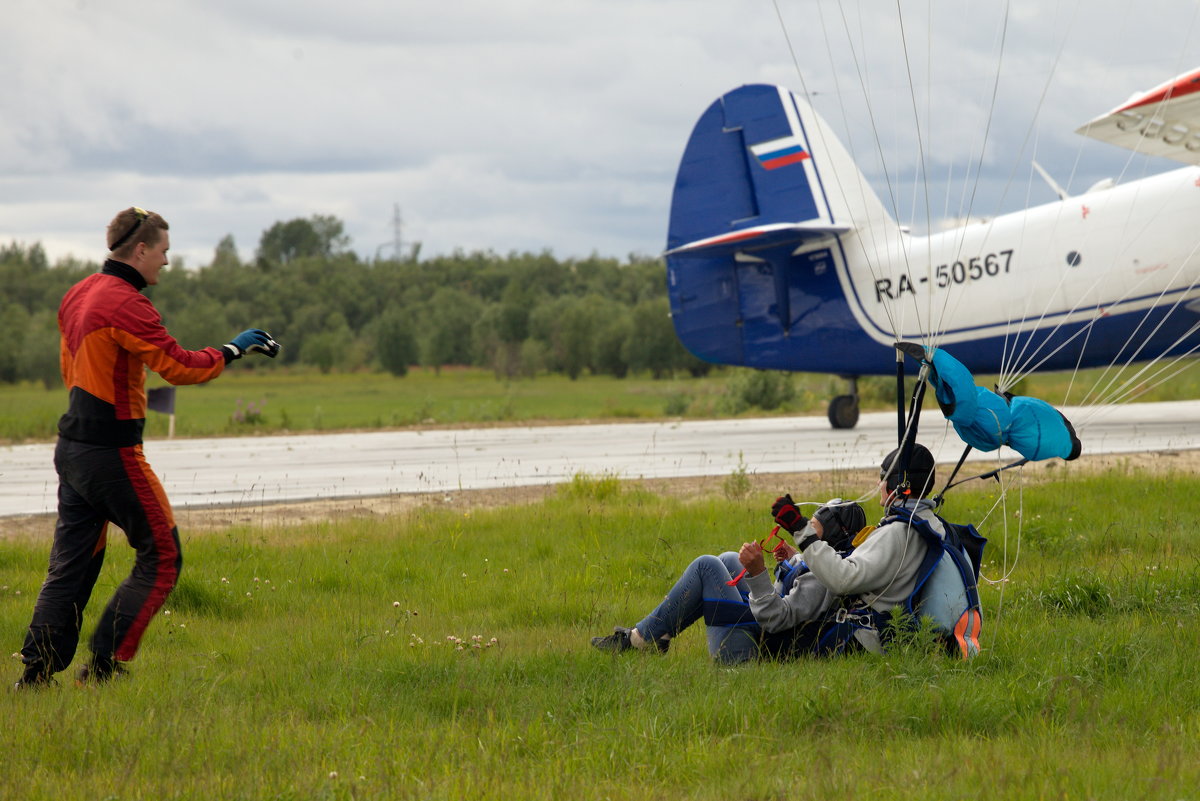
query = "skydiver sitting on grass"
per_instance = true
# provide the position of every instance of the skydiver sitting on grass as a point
(833, 595)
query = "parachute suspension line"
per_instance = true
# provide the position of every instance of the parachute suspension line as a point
(1027, 364)
(1146, 339)
(1028, 133)
(1128, 389)
(1008, 356)
(1013, 377)
(866, 94)
(1006, 380)
(1011, 328)
(1007, 570)
(791, 50)
(899, 397)
(858, 66)
(937, 499)
(863, 188)
(1128, 162)
(1075, 370)
(1109, 391)
(873, 260)
(990, 474)
(925, 325)
(1135, 150)
(1019, 358)
(936, 329)
(877, 258)
(1115, 378)
(1132, 388)
(1111, 306)
(987, 129)
(1086, 330)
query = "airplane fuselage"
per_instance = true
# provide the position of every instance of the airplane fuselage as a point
(781, 256)
(1037, 275)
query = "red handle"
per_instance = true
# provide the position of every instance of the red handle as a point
(733, 581)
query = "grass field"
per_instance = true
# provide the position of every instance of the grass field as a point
(307, 401)
(443, 654)
(254, 402)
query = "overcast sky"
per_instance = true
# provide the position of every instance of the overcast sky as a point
(533, 124)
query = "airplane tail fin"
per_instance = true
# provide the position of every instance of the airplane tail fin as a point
(762, 169)
(763, 193)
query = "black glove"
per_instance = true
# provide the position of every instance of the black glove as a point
(787, 515)
(253, 339)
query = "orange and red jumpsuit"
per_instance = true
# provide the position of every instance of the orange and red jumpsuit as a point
(110, 334)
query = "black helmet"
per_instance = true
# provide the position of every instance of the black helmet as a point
(920, 474)
(840, 522)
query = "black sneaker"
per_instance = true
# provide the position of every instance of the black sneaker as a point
(619, 641)
(99, 672)
(35, 678)
(614, 643)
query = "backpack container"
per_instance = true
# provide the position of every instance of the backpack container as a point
(947, 590)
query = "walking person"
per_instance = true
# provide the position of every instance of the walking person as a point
(110, 334)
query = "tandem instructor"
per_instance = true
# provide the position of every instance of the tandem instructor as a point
(110, 334)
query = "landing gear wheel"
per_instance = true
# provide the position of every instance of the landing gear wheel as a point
(843, 411)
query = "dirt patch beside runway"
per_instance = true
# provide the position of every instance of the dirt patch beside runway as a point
(194, 521)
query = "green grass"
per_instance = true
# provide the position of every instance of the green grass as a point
(312, 401)
(291, 655)
(305, 401)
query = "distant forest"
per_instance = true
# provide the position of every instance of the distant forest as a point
(518, 314)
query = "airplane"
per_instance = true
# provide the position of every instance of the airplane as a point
(781, 256)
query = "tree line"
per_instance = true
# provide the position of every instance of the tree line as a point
(518, 314)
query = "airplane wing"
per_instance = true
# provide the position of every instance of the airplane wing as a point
(1164, 121)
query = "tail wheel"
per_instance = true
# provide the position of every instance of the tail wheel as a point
(843, 411)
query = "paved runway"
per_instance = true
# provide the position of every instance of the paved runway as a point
(205, 472)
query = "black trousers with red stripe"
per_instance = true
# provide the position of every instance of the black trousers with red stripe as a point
(98, 485)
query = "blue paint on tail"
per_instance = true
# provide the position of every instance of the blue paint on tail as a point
(723, 186)
(748, 184)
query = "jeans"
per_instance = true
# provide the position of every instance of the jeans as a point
(702, 592)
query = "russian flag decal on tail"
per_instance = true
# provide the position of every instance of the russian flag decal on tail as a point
(779, 152)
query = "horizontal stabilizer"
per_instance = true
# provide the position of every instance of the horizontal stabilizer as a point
(758, 237)
(1164, 121)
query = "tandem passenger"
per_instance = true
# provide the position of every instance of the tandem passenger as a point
(833, 594)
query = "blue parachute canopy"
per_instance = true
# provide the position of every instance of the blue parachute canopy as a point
(986, 420)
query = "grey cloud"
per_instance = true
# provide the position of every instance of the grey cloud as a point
(536, 124)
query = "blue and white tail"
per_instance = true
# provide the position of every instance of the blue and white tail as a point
(764, 193)
(762, 167)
